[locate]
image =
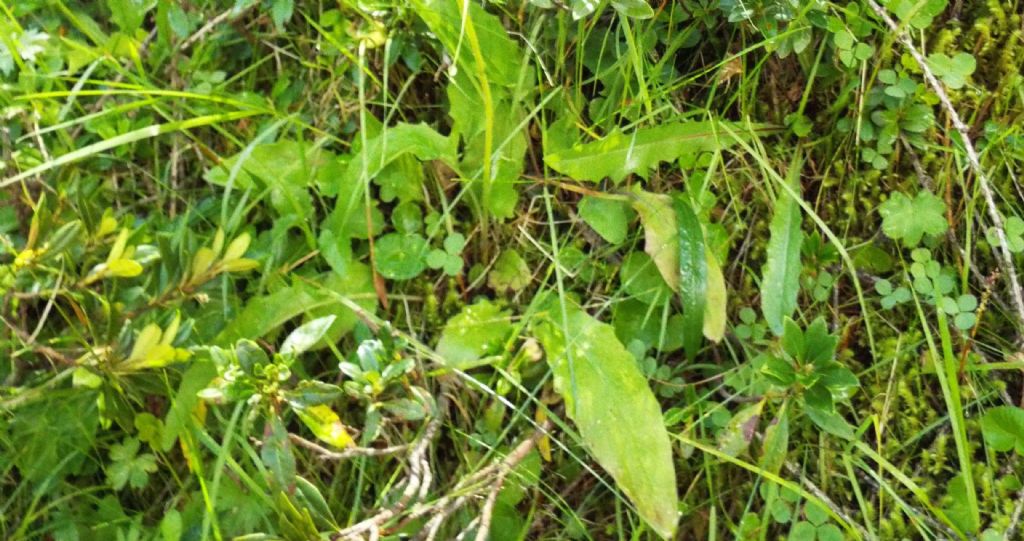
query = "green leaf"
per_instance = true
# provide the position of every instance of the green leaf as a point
(640, 279)
(288, 168)
(819, 344)
(1013, 228)
(908, 219)
(953, 71)
(179, 417)
(830, 532)
(306, 335)
(277, 454)
(262, 315)
(620, 154)
(693, 275)
(128, 467)
(779, 371)
(610, 218)
(502, 56)
(128, 14)
(618, 416)
(780, 277)
(661, 236)
(638, 9)
(382, 149)
(510, 272)
(831, 422)
(802, 531)
(735, 437)
(776, 444)
(401, 257)
(281, 11)
(958, 510)
(919, 13)
(478, 331)
(1003, 428)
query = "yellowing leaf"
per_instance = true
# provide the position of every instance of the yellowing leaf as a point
(202, 261)
(124, 268)
(237, 247)
(171, 331)
(148, 338)
(715, 301)
(107, 224)
(117, 250)
(661, 237)
(241, 265)
(325, 425)
(618, 416)
(218, 241)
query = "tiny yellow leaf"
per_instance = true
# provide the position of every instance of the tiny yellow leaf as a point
(83, 377)
(107, 224)
(202, 261)
(241, 265)
(326, 425)
(148, 338)
(218, 241)
(124, 268)
(237, 247)
(117, 250)
(171, 331)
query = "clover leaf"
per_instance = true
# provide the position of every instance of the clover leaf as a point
(891, 296)
(961, 309)
(954, 70)
(448, 259)
(1014, 231)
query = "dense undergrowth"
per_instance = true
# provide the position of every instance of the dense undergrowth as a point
(451, 269)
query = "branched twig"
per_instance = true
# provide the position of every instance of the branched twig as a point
(416, 485)
(1005, 257)
(350, 452)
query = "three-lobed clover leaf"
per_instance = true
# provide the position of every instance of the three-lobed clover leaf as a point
(891, 296)
(1013, 228)
(954, 70)
(450, 258)
(961, 309)
(929, 277)
(909, 219)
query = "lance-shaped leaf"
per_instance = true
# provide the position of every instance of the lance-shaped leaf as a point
(780, 282)
(620, 154)
(693, 275)
(618, 416)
